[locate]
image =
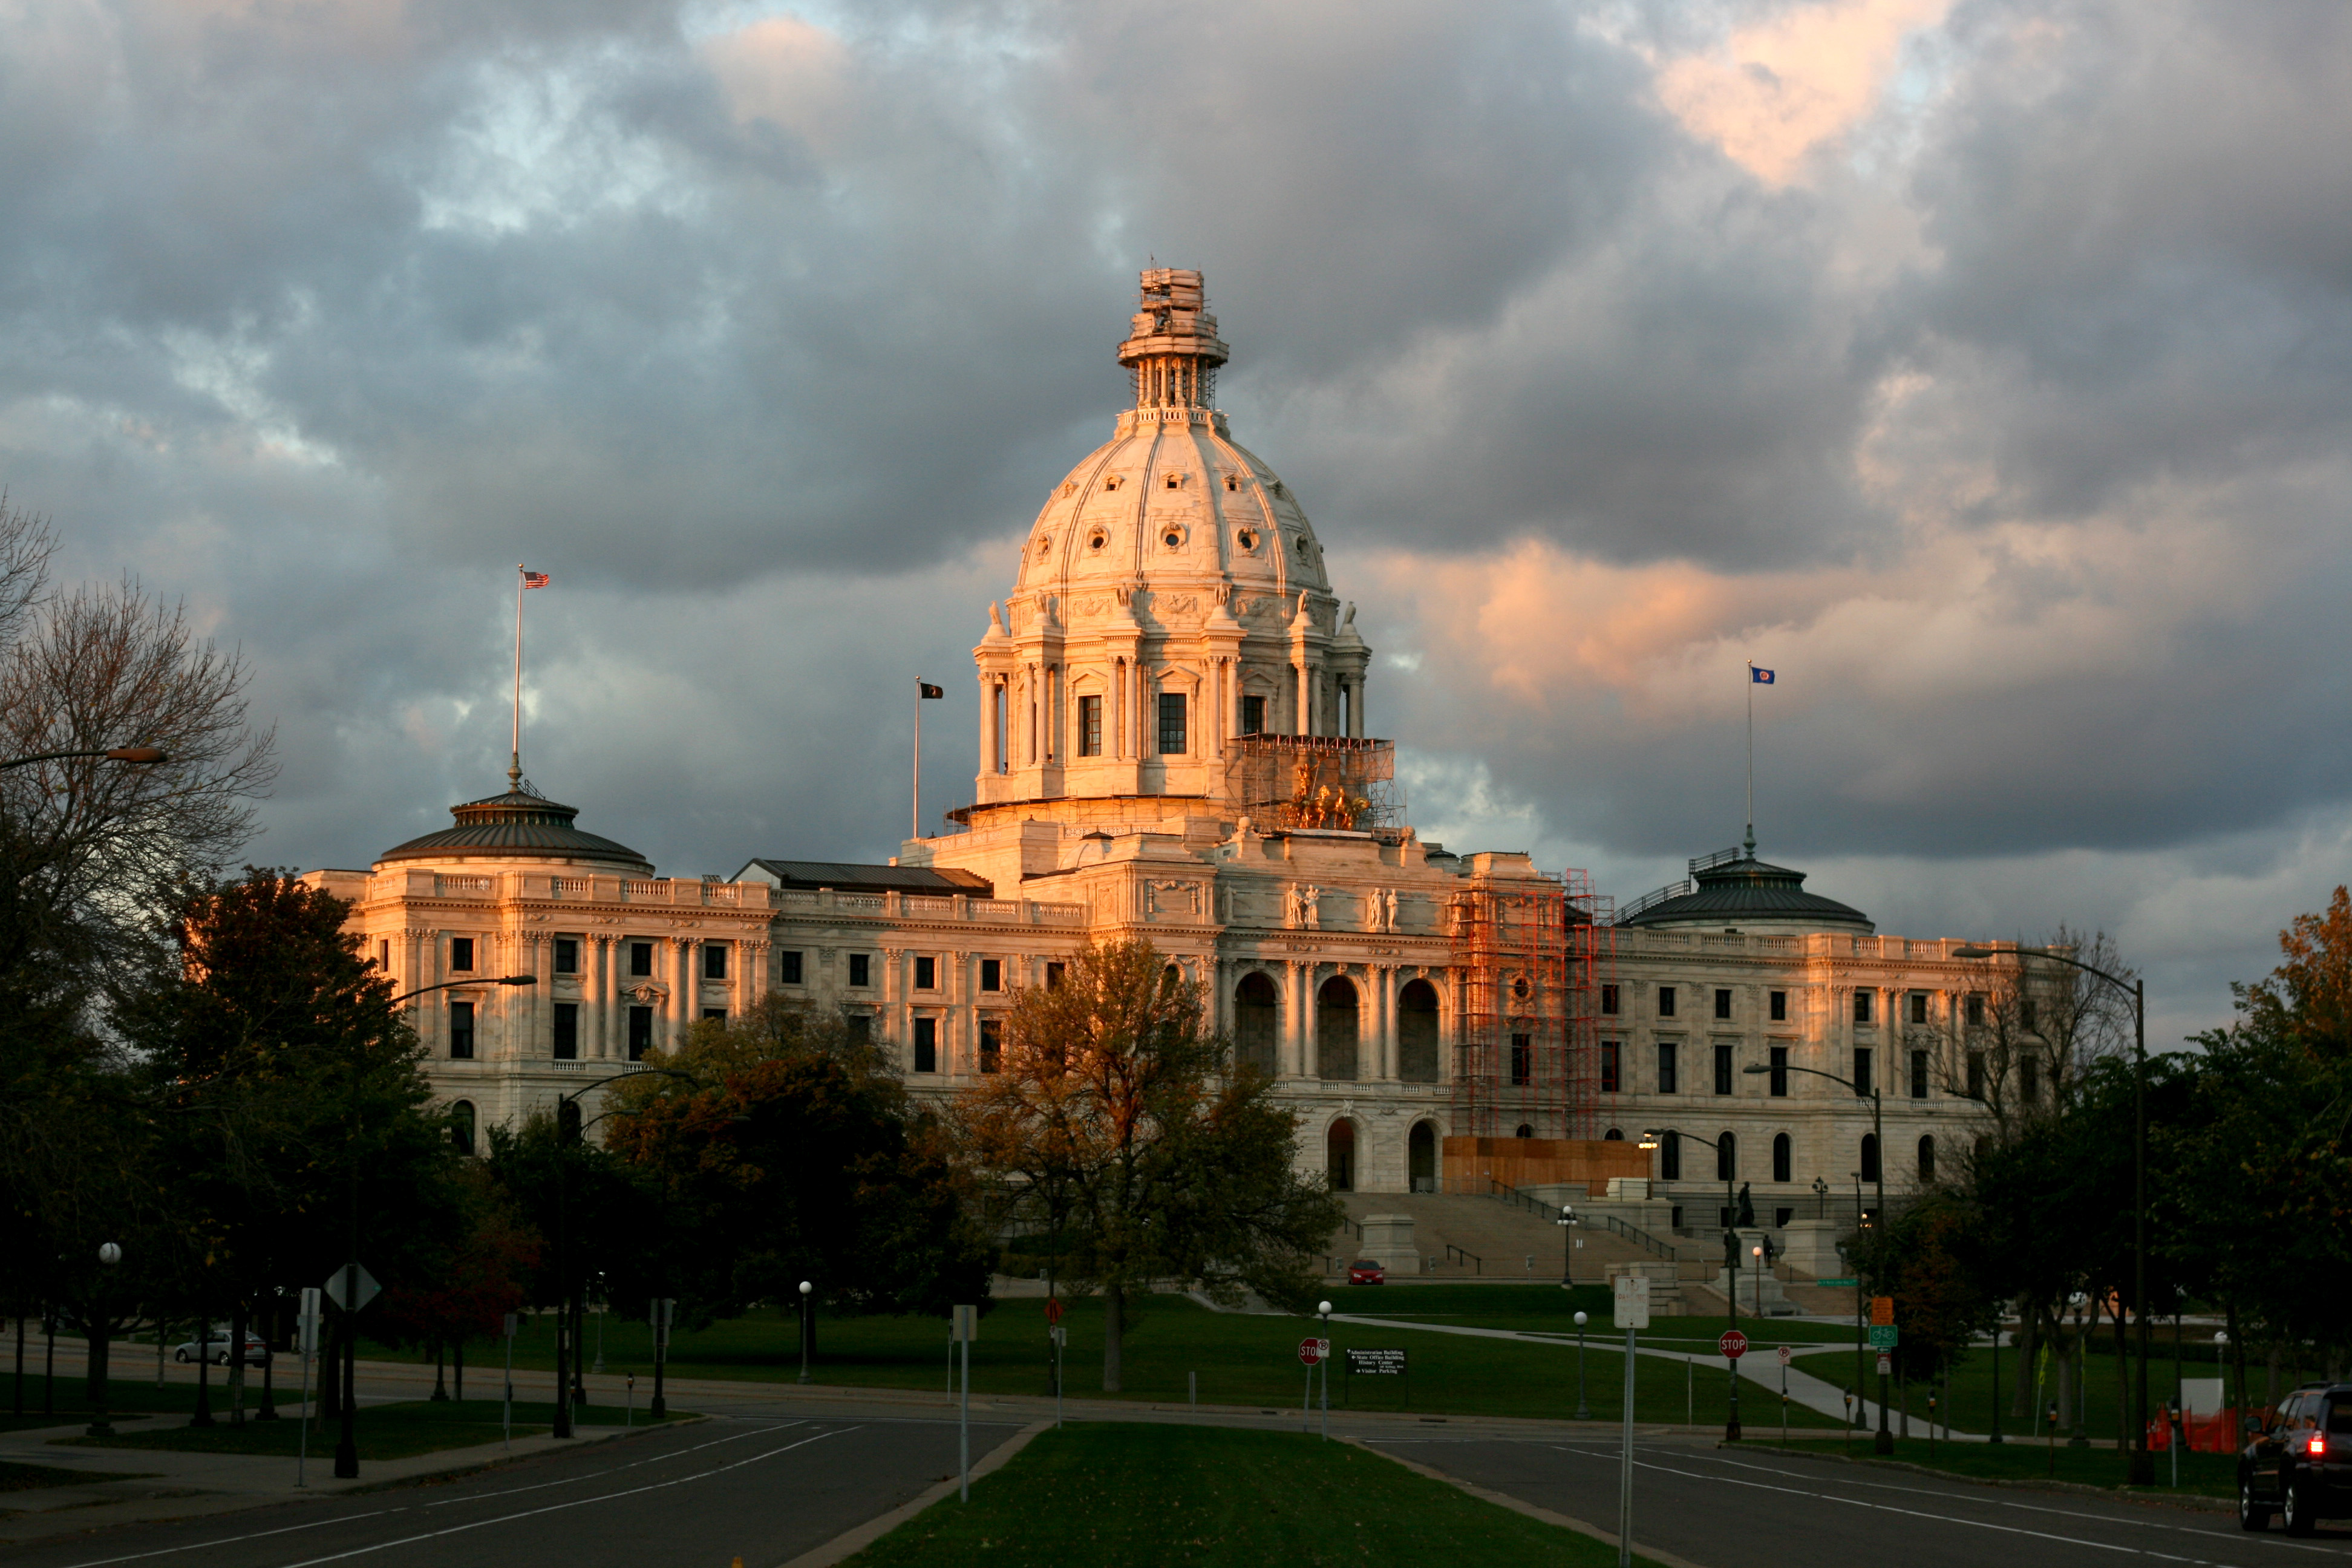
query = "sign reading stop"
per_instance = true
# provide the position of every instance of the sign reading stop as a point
(1734, 1344)
(1312, 1351)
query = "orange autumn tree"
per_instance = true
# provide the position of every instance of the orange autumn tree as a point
(1117, 1127)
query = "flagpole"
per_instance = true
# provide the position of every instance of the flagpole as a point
(1751, 757)
(915, 812)
(514, 762)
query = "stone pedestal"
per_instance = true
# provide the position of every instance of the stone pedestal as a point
(1744, 1280)
(1810, 1247)
(1388, 1240)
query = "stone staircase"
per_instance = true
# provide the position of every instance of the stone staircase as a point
(1479, 1238)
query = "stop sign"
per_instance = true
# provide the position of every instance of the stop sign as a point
(1734, 1344)
(1312, 1351)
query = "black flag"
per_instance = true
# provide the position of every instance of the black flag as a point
(925, 689)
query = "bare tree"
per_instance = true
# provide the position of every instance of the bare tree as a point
(2025, 1039)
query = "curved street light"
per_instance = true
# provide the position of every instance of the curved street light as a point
(1655, 1138)
(144, 756)
(2142, 1472)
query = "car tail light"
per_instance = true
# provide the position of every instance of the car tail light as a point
(2318, 1446)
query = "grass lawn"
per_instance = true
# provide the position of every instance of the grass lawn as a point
(1171, 1342)
(2205, 1475)
(17, 1478)
(385, 1431)
(1122, 1494)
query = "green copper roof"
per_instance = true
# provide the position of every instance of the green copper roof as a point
(517, 823)
(1739, 892)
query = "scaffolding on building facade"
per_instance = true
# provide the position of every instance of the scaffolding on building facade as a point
(1531, 959)
(1329, 782)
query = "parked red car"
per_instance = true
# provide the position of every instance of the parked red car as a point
(1364, 1271)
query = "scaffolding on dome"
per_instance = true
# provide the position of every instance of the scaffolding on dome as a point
(1332, 782)
(1532, 957)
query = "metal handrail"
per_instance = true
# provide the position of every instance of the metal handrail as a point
(1615, 1226)
(1477, 1264)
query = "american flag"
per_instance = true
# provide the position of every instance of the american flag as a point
(531, 579)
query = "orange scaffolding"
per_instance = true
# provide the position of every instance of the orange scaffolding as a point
(1531, 958)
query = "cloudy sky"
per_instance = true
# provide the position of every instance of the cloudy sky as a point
(1983, 368)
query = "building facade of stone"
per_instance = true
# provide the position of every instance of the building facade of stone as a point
(1173, 745)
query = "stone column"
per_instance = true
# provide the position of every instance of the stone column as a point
(1385, 984)
(542, 1009)
(1304, 718)
(603, 966)
(1294, 1049)
(987, 725)
(684, 990)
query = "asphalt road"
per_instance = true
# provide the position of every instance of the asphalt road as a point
(1731, 1510)
(760, 1484)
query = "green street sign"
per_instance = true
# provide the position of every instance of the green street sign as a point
(1839, 1284)
(1882, 1336)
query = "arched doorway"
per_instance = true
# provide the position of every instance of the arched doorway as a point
(1727, 1158)
(1420, 1157)
(1417, 1033)
(1335, 1031)
(1782, 1160)
(461, 1126)
(1257, 1009)
(1870, 1157)
(1339, 1155)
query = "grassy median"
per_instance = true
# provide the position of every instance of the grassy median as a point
(1207, 1497)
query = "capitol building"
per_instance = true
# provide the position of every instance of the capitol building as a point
(1177, 742)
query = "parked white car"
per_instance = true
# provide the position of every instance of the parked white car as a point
(217, 1349)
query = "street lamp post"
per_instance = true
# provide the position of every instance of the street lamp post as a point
(108, 1254)
(147, 757)
(1655, 1138)
(2142, 1472)
(1821, 1198)
(805, 1288)
(2081, 1439)
(1884, 1442)
(1567, 1247)
(1583, 1411)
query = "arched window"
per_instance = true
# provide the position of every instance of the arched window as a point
(461, 1126)
(1614, 1136)
(1927, 1159)
(1781, 1156)
(1335, 1031)
(1870, 1157)
(1340, 1152)
(1527, 1130)
(1726, 1157)
(1171, 977)
(1417, 1033)
(1670, 1156)
(1420, 1157)
(1257, 1008)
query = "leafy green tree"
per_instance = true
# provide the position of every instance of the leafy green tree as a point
(1118, 1125)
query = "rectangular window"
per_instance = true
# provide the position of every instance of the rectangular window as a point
(926, 974)
(1919, 1006)
(1976, 1012)
(641, 958)
(1722, 1002)
(861, 968)
(567, 955)
(2025, 1011)
(1053, 976)
(1861, 1007)
(1670, 1163)
(461, 955)
(2028, 1080)
(1918, 1074)
(461, 1031)
(1252, 715)
(714, 1014)
(861, 1028)
(1667, 1076)
(1608, 1067)
(1090, 726)
(1723, 1069)
(641, 1033)
(1665, 1001)
(1861, 1071)
(927, 1045)
(992, 1044)
(1976, 1074)
(384, 955)
(788, 967)
(1609, 1001)
(714, 961)
(1172, 724)
(1780, 1006)
(567, 1031)
(1523, 1062)
(1779, 1079)
(992, 974)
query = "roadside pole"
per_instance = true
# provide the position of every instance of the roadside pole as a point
(1631, 1294)
(966, 1321)
(514, 1322)
(306, 1338)
(1323, 1311)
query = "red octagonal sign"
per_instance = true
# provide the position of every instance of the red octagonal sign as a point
(1312, 1351)
(1734, 1344)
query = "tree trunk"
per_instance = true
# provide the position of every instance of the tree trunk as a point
(331, 1390)
(237, 1325)
(457, 1352)
(2269, 1378)
(273, 1320)
(1114, 1330)
(440, 1370)
(203, 1342)
(2029, 1340)
(2122, 1382)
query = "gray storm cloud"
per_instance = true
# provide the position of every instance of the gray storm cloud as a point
(1982, 366)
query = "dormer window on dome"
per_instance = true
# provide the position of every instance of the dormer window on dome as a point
(1174, 481)
(1110, 483)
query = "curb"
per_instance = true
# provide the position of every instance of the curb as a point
(2193, 1503)
(852, 1542)
(1520, 1506)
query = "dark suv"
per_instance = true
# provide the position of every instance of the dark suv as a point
(2299, 1465)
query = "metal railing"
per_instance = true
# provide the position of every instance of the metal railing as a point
(1475, 1264)
(1608, 1222)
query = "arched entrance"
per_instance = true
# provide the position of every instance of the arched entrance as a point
(1258, 1012)
(1339, 1155)
(1420, 1157)
(1335, 1031)
(1417, 1033)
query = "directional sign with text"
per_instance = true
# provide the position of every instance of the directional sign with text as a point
(1838, 1284)
(1881, 1310)
(1376, 1364)
(1734, 1344)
